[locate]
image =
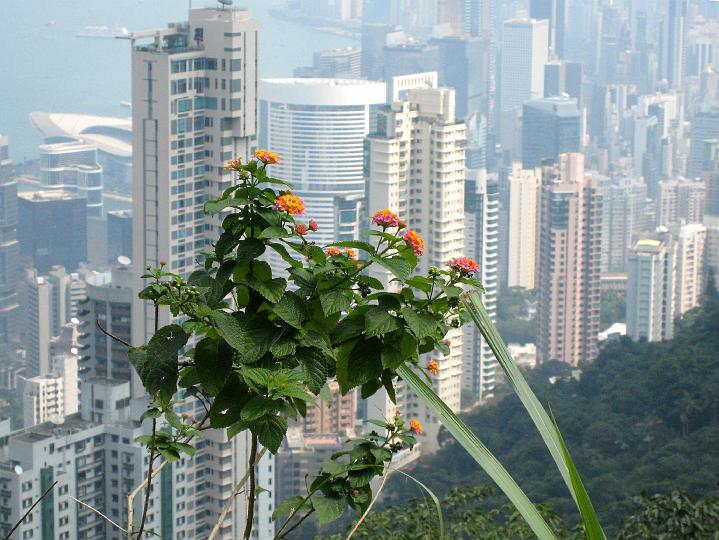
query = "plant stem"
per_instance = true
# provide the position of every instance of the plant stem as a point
(299, 522)
(9, 535)
(251, 498)
(108, 334)
(149, 480)
(369, 507)
(294, 512)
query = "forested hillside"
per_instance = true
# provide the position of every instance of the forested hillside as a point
(642, 418)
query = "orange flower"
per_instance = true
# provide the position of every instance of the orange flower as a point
(433, 367)
(267, 157)
(313, 226)
(415, 241)
(416, 426)
(464, 265)
(289, 203)
(351, 253)
(234, 165)
(333, 251)
(386, 218)
(301, 229)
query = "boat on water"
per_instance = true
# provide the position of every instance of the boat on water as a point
(103, 31)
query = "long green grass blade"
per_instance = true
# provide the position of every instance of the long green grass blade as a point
(545, 425)
(434, 498)
(479, 452)
(592, 527)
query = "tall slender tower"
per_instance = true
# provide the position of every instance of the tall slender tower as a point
(9, 251)
(523, 226)
(481, 220)
(194, 105)
(428, 194)
(672, 46)
(569, 259)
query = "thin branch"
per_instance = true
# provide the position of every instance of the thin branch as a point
(108, 334)
(149, 480)
(299, 522)
(228, 505)
(78, 501)
(26, 514)
(371, 504)
(131, 498)
(253, 489)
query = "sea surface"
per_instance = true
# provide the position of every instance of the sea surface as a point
(45, 67)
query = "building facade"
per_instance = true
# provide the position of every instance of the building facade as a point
(10, 275)
(523, 226)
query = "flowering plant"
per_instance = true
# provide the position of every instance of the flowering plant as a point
(266, 345)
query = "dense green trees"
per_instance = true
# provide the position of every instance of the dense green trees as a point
(642, 418)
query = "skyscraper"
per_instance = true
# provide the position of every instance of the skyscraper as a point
(569, 259)
(194, 105)
(194, 91)
(704, 126)
(318, 127)
(650, 289)
(550, 127)
(52, 229)
(523, 226)
(521, 75)
(624, 215)
(672, 43)
(690, 263)
(562, 77)
(72, 166)
(481, 226)
(427, 193)
(555, 12)
(9, 254)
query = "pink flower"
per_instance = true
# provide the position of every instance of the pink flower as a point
(301, 229)
(415, 241)
(313, 226)
(386, 218)
(464, 265)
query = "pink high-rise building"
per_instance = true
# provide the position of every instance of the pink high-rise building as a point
(569, 263)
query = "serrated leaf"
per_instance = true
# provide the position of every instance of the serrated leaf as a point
(282, 251)
(186, 448)
(288, 506)
(258, 407)
(422, 324)
(249, 249)
(378, 322)
(361, 477)
(271, 290)
(270, 431)
(314, 368)
(371, 282)
(274, 232)
(250, 337)
(212, 365)
(291, 309)
(358, 365)
(213, 207)
(258, 378)
(397, 265)
(334, 468)
(328, 509)
(284, 346)
(227, 406)
(156, 363)
(334, 301)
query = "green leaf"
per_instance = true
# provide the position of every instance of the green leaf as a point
(422, 324)
(547, 428)
(271, 290)
(314, 368)
(282, 250)
(156, 363)
(284, 346)
(328, 508)
(355, 244)
(371, 282)
(213, 207)
(274, 232)
(186, 448)
(288, 506)
(479, 452)
(397, 265)
(212, 365)
(326, 395)
(249, 249)
(334, 468)
(434, 498)
(359, 365)
(258, 378)
(270, 431)
(227, 407)
(257, 407)
(251, 338)
(334, 301)
(378, 322)
(291, 309)
(421, 283)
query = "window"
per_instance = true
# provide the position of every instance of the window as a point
(236, 104)
(184, 105)
(236, 64)
(236, 85)
(178, 66)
